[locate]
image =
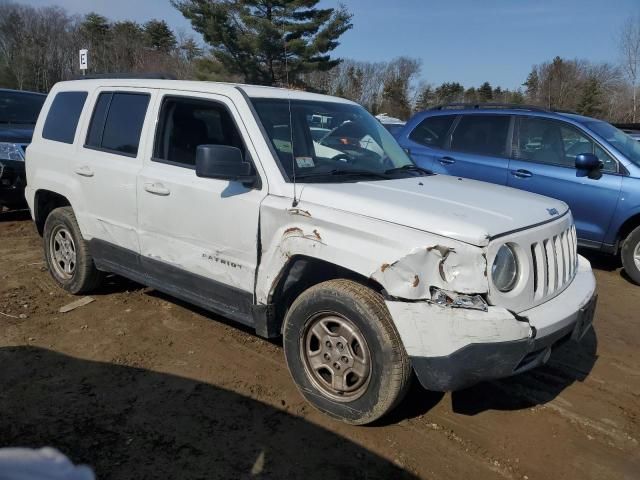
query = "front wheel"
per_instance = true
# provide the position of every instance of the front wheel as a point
(630, 254)
(344, 353)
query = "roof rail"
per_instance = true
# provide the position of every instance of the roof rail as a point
(147, 76)
(559, 110)
(477, 106)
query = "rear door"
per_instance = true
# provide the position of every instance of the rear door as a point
(427, 141)
(479, 148)
(107, 164)
(544, 162)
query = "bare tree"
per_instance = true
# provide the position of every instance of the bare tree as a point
(630, 50)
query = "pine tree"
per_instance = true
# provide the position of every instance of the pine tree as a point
(532, 84)
(250, 37)
(159, 36)
(590, 103)
(394, 98)
(471, 95)
(96, 34)
(449, 92)
(485, 92)
(426, 99)
(190, 49)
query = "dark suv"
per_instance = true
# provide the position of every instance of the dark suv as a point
(587, 163)
(18, 114)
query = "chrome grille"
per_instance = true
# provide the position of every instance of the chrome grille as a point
(554, 262)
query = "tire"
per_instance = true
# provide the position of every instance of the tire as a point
(630, 255)
(373, 368)
(67, 253)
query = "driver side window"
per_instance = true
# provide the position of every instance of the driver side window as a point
(186, 123)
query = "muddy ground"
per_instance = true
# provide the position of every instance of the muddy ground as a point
(139, 385)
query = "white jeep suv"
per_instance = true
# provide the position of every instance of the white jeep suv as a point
(370, 268)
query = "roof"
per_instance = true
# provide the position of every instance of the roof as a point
(384, 118)
(253, 91)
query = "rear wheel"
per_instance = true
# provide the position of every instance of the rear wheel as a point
(67, 253)
(344, 352)
(630, 254)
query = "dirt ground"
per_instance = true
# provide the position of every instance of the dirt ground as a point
(139, 385)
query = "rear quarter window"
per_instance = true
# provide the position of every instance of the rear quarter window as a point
(432, 131)
(62, 118)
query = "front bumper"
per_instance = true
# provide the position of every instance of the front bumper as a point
(12, 183)
(451, 349)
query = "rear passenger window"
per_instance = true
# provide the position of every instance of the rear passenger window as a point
(63, 116)
(482, 134)
(117, 122)
(432, 131)
(186, 123)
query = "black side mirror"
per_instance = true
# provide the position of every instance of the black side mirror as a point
(587, 161)
(223, 162)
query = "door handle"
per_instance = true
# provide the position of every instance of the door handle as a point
(84, 171)
(521, 173)
(157, 189)
(447, 160)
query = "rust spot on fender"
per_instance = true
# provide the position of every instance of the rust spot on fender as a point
(444, 251)
(384, 267)
(315, 232)
(299, 211)
(291, 230)
(416, 281)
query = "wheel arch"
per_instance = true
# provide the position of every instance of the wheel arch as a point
(302, 272)
(44, 203)
(626, 228)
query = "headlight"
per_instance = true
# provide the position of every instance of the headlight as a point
(11, 151)
(504, 271)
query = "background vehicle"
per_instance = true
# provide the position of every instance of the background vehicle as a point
(18, 114)
(368, 266)
(587, 163)
(393, 124)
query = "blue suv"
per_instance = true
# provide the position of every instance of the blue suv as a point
(587, 163)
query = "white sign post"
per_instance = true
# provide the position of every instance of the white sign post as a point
(84, 60)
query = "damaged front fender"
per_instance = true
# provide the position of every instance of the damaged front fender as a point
(459, 268)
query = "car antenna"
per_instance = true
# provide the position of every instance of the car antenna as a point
(293, 155)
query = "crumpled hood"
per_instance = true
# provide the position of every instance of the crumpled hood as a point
(462, 209)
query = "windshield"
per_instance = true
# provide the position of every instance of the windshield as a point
(19, 107)
(332, 142)
(619, 140)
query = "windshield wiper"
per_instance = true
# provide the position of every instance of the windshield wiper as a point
(410, 167)
(345, 172)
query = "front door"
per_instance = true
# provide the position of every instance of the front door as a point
(199, 233)
(544, 162)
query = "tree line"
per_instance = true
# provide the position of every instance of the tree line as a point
(290, 43)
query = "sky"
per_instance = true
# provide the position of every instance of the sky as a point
(468, 41)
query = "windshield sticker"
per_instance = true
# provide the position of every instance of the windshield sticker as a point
(305, 162)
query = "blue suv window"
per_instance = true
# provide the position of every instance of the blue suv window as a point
(556, 143)
(63, 116)
(432, 131)
(482, 135)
